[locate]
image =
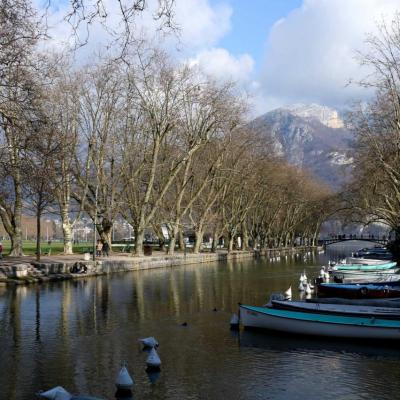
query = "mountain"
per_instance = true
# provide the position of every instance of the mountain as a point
(311, 136)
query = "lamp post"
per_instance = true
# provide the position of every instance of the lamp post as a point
(95, 222)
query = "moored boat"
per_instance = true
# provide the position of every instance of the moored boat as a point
(389, 275)
(359, 290)
(306, 323)
(338, 309)
(364, 261)
(362, 267)
(380, 253)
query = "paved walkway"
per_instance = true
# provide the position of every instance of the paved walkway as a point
(55, 259)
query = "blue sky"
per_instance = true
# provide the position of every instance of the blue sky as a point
(251, 22)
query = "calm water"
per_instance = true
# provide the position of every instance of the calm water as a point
(75, 334)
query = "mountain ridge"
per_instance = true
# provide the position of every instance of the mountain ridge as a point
(312, 137)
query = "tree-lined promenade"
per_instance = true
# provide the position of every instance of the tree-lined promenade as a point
(143, 138)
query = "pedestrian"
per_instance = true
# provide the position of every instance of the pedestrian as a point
(106, 249)
(1, 250)
(99, 248)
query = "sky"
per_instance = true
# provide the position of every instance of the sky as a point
(279, 51)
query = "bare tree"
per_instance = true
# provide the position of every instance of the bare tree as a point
(19, 89)
(374, 194)
(85, 13)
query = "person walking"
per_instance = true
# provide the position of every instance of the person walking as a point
(106, 249)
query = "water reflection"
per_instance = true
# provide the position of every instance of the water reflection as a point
(76, 334)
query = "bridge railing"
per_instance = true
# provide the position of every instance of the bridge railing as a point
(341, 238)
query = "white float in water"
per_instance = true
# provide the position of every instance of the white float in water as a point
(124, 380)
(149, 342)
(57, 393)
(288, 293)
(153, 360)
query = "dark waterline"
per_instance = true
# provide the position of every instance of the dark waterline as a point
(76, 334)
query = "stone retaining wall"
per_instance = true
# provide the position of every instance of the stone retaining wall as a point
(49, 271)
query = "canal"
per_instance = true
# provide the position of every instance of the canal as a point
(77, 333)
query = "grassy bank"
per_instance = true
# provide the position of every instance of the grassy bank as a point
(29, 247)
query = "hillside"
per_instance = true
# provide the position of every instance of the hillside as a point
(312, 137)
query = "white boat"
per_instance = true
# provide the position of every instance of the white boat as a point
(338, 309)
(306, 323)
(365, 267)
(390, 275)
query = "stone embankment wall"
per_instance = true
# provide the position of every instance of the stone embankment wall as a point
(23, 273)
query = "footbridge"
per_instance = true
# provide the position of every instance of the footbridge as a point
(342, 238)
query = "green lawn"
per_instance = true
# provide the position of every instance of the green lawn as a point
(29, 247)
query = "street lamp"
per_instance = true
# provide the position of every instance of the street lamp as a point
(95, 222)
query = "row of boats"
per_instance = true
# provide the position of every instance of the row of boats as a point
(362, 302)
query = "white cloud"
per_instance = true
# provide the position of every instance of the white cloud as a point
(222, 65)
(310, 54)
(200, 25)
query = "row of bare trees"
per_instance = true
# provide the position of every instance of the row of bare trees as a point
(146, 139)
(373, 196)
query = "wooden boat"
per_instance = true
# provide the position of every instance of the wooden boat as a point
(361, 267)
(359, 290)
(338, 309)
(388, 275)
(306, 323)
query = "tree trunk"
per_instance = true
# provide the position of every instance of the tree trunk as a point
(161, 239)
(198, 240)
(214, 242)
(16, 244)
(105, 231)
(67, 237)
(245, 238)
(67, 231)
(14, 230)
(139, 237)
(230, 243)
(38, 234)
(181, 240)
(172, 241)
(105, 236)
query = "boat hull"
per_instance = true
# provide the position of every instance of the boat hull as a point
(339, 309)
(390, 275)
(300, 323)
(365, 261)
(361, 267)
(359, 291)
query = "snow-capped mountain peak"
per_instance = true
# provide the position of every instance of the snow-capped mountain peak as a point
(325, 115)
